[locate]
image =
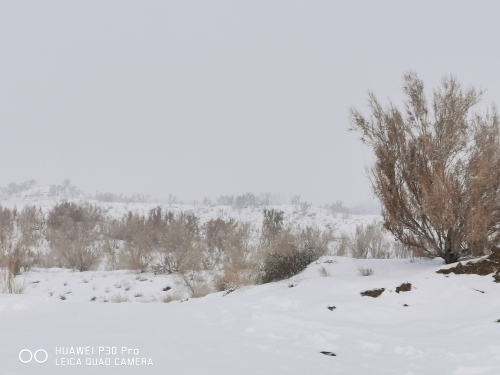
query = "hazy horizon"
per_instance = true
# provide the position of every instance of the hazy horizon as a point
(69, 190)
(202, 99)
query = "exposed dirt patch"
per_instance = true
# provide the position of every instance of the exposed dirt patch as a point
(486, 266)
(373, 293)
(405, 287)
(495, 255)
(483, 268)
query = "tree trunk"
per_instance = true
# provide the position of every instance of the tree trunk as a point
(450, 256)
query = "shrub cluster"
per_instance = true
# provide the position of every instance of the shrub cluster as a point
(371, 241)
(21, 235)
(278, 266)
(288, 251)
(17, 188)
(245, 200)
(76, 235)
(83, 237)
(111, 197)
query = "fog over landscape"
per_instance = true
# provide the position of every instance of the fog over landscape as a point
(180, 191)
(207, 98)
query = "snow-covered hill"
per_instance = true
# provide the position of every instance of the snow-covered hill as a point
(321, 218)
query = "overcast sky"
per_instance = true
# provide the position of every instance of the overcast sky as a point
(202, 98)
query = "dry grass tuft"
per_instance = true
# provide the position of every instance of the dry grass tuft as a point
(365, 271)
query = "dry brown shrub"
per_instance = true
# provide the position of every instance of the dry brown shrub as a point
(75, 233)
(290, 253)
(437, 169)
(365, 271)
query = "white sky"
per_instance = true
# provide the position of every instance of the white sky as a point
(219, 97)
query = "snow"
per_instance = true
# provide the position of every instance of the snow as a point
(448, 327)
(317, 217)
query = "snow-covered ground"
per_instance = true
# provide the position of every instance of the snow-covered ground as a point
(448, 326)
(124, 322)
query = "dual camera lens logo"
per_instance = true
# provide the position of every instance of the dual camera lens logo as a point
(26, 356)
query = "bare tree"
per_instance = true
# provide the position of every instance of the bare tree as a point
(272, 224)
(437, 169)
(177, 245)
(219, 234)
(75, 233)
(241, 260)
(137, 236)
(30, 225)
(20, 236)
(10, 256)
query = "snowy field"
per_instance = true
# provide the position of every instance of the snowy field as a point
(448, 326)
(124, 322)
